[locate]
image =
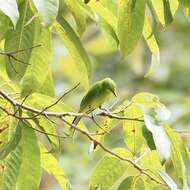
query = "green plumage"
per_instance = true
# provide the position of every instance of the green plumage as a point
(100, 92)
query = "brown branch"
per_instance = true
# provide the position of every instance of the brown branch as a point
(137, 166)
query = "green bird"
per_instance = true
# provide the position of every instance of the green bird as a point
(100, 92)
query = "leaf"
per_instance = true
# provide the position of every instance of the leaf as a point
(11, 170)
(30, 170)
(169, 181)
(180, 158)
(12, 143)
(165, 9)
(161, 140)
(151, 161)
(22, 38)
(48, 10)
(78, 14)
(133, 129)
(4, 25)
(47, 87)
(9, 8)
(130, 24)
(135, 183)
(76, 49)
(110, 170)
(38, 67)
(105, 13)
(51, 165)
(153, 46)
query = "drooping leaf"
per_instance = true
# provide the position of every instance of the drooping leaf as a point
(10, 9)
(12, 143)
(78, 14)
(110, 170)
(47, 87)
(38, 67)
(170, 182)
(51, 165)
(130, 24)
(76, 49)
(30, 169)
(165, 10)
(23, 37)
(180, 158)
(48, 10)
(153, 46)
(11, 170)
(104, 13)
(126, 184)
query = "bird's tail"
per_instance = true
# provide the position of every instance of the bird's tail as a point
(75, 122)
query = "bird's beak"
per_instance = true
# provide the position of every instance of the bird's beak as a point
(114, 93)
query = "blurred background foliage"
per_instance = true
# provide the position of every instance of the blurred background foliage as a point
(171, 82)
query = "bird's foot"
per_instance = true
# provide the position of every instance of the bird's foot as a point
(104, 109)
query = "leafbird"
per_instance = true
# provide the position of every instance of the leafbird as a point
(99, 92)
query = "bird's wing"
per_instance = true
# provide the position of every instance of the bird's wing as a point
(87, 102)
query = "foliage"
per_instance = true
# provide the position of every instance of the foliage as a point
(154, 155)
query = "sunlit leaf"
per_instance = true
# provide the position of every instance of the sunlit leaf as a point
(153, 46)
(12, 143)
(51, 165)
(11, 170)
(48, 10)
(30, 169)
(180, 158)
(165, 10)
(10, 8)
(78, 14)
(22, 37)
(133, 129)
(76, 49)
(35, 76)
(130, 24)
(110, 170)
(4, 25)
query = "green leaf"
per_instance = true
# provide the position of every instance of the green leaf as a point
(4, 25)
(22, 38)
(110, 170)
(48, 10)
(47, 87)
(169, 181)
(12, 143)
(76, 49)
(130, 24)
(105, 13)
(165, 10)
(78, 14)
(36, 72)
(51, 165)
(133, 129)
(180, 158)
(11, 170)
(30, 170)
(153, 46)
(152, 162)
(10, 8)
(132, 183)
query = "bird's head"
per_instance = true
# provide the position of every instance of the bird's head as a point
(110, 85)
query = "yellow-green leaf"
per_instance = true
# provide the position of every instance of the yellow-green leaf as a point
(130, 24)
